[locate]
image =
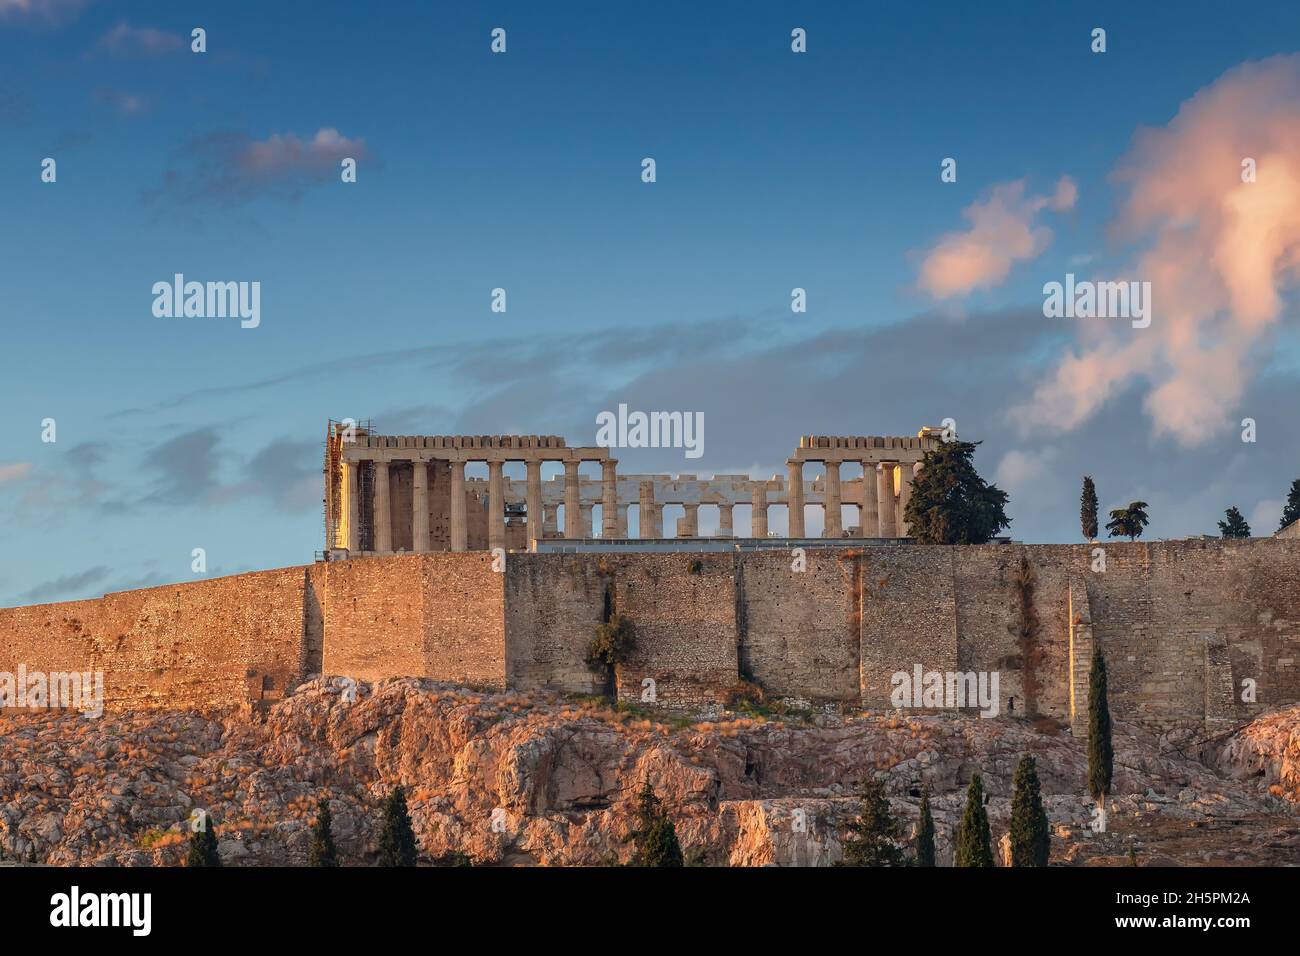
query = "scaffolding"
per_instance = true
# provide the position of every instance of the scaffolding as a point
(334, 502)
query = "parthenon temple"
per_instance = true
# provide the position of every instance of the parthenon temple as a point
(393, 493)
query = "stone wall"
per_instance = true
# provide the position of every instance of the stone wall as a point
(1183, 624)
(438, 615)
(213, 643)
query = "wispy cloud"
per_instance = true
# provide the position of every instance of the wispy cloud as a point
(121, 102)
(47, 12)
(1004, 229)
(233, 166)
(125, 40)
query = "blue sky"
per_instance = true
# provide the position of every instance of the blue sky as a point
(522, 171)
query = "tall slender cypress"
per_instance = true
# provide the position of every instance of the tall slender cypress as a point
(974, 847)
(397, 839)
(1101, 753)
(925, 832)
(1031, 835)
(1088, 509)
(321, 852)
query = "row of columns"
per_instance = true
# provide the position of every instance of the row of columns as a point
(881, 515)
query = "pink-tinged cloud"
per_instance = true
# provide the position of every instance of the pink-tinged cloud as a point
(45, 11)
(17, 470)
(1220, 255)
(283, 156)
(232, 166)
(125, 104)
(126, 41)
(1003, 230)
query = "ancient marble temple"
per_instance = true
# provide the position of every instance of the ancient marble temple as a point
(393, 493)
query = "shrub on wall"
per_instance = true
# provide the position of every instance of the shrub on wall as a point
(613, 644)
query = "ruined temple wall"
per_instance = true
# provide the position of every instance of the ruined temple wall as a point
(204, 644)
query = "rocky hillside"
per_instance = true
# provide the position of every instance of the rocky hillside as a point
(538, 779)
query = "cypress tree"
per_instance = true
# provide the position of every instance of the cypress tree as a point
(322, 852)
(1291, 510)
(925, 832)
(655, 835)
(973, 840)
(203, 845)
(1101, 754)
(874, 837)
(1132, 855)
(1031, 835)
(1234, 524)
(397, 839)
(1088, 509)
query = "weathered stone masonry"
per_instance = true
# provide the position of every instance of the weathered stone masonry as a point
(1182, 625)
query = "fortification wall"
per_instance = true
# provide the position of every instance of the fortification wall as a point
(1182, 624)
(212, 643)
(800, 631)
(437, 615)
(683, 608)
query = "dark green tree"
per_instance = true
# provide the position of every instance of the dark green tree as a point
(950, 503)
(1132, 855)
(1101, 754)
(1031, 835)
(613, 643)
(655, 837)
(1291, 510)
(973, 840)
(203, 845)
(875, 837)
(397, 838)
(1233, 524)
(925, 832)
(1128, 522)
(1088, 509)
(321, 852)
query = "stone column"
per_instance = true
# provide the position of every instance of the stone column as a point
(551, 523)
(496, 506)
(572, 504)
(622, 521)
(758, 512)
(870, 511)
(353, 491)
(383, 510)
(646, 516)
(419, 506)
(794, 495)
(691, 523)
(458, 528)
(588, 520)
(609, 498)
(905, 472)
(885, 498)
(724, 520)
(834, 525)
(533, 500)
